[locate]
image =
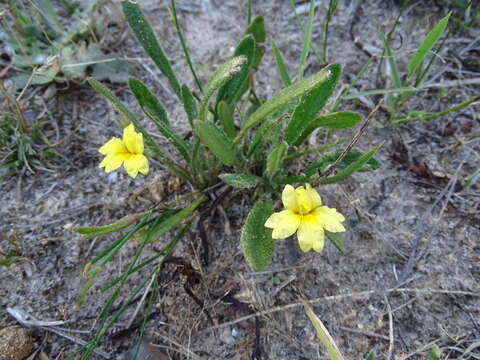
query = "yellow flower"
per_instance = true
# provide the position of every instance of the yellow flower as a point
(127, 151)
(304, 215)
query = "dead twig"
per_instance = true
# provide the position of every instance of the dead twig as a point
(390, 328)
(201, 224)
(359, 294)
(365, 333)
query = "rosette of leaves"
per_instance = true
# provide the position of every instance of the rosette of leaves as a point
(238, 137)
(42, 47)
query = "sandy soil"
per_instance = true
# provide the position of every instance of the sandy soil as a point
(366, 298)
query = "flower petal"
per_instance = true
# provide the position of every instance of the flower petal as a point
(133, 140)
(289, 198)
(310, 234)
(113, 146)
(314, 197)
(283, 223)
(112, 162)
(330, 219)
(136, 164)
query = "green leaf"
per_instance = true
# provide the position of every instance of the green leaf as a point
(324, 335)
(282, 68)
(241, 181)
(337, 120)
(263, 135)
(225, 115)
(233, 90)
(311, 103)
(435, 353)
(117, 104)
(427, 45)
(90, 232)
(371, 355)
(337, 240)
(189, 104)
(148, 102)
(216, 140)
(219, 78)
(117, 71)
(161, 226)
(353, 167)
(257, 29)
(258, 245)
(152, 107)
(275, 159)
(352, 156)
(46, 9)
(146, 36)
(287, 95)
(259, 32)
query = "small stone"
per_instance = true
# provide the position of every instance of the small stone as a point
(226, 336)
(15, 343)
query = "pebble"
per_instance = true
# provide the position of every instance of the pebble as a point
(15, 343)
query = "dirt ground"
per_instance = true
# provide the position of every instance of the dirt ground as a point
(410, 275)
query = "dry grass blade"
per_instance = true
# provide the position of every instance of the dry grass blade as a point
(324, 335)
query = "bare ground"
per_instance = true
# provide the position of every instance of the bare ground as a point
(410, 276)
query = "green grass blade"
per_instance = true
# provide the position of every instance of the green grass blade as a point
(186, 52)
(437, 114)
(107, 255)
(307, 39)
(392, 64)
(249, 11)
(427, 44)
(164, 253)
(332, 7)
(146, 36)
(282, 68)
(346, 91)
(152, 107)
(161, 227)
(381, 92)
